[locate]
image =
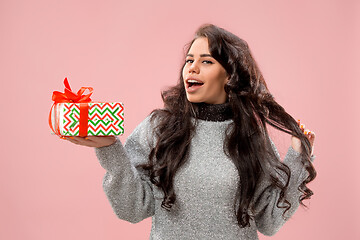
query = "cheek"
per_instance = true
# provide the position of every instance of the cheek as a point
(218, 82)
(223, 79)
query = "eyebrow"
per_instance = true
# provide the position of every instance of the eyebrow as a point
(201, 55)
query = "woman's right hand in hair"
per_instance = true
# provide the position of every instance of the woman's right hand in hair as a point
(296, 143)
(92, 141)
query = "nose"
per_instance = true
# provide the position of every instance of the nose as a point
(194, 68)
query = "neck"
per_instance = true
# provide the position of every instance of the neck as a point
(213, 112)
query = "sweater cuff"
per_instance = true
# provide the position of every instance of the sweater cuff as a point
(111, 157)
(296, 154)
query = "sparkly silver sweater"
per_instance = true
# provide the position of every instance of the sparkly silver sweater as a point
(205, 188)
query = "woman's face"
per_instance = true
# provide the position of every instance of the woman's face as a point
(204, 77)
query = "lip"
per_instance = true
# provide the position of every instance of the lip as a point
(193, 88)
(193, 78)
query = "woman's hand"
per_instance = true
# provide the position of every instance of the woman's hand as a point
(92, 141)
(296, 143)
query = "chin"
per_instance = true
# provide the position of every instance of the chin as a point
(194, 100)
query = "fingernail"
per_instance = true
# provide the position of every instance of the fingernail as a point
(71, 137)
(86, 138)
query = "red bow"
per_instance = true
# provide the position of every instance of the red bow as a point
(69, 96)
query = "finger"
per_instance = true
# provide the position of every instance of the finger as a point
(71, 139)
(311, 136)
(92, 141)
(302, 127)
(307, 133)
(90, 138)
(79, 141)
(94, 138)
(100, 141)
(85, 141)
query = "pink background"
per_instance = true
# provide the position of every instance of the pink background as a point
(129, 51)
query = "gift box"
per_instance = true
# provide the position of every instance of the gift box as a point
(74, 114)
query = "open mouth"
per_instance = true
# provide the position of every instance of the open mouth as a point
(194, 83)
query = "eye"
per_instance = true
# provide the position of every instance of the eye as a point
(189, 61)
(208, 62)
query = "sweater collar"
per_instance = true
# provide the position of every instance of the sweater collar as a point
(213, 112)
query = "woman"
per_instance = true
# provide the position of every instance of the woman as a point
(204, 166)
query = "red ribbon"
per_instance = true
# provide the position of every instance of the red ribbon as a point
(79, 97)
(69, 96)
(83, 121)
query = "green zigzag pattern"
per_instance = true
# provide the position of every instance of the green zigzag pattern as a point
(101, 132)
(106, 110)
(95, 123)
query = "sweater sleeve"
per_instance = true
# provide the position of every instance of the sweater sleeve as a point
(128, 188)
(268, 217)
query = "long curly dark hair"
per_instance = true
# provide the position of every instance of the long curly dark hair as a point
(247, 142)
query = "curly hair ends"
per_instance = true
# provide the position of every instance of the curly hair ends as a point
(247, 142)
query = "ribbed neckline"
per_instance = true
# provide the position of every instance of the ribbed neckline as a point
(213, 112)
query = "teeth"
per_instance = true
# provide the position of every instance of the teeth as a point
(193, 81)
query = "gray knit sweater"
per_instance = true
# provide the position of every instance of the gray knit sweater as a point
(205, 188)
